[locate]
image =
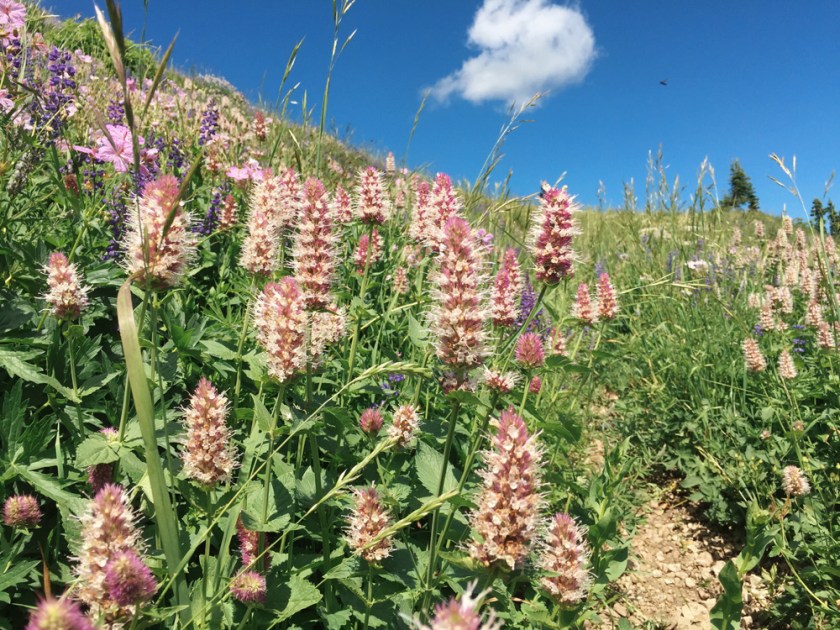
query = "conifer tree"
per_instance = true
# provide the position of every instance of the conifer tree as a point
(741, 190)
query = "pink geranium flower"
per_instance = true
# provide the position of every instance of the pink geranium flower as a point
(120, 151)
(6, 103)
(12, 14)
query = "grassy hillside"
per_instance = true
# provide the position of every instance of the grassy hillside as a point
(254, 377)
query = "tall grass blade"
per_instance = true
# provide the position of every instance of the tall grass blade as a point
(164, 514)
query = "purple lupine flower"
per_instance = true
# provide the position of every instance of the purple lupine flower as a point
(209, 124)
(208, 224)
(540, 323)
(115, 111)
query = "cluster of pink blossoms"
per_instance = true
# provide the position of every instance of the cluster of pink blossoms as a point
(368, 519)
(112, 577)
(280, 320)
(151, 254)
(66, 296)
(314, 247)
(552, 238)
(209, 457)
(507, 290)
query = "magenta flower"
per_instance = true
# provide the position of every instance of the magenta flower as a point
(21, 511)
(529, 351)
(606, 298)
(249, 587)
(58, 614)
(584, 309)
(129, 580)
(535, 385)
(371, 421)
(368, 251)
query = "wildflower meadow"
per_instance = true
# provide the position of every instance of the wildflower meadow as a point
(253, 377)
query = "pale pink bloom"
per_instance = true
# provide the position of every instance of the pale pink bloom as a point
(794, 482)
(605, 295)
(458, 312)
(535, 385)
(314, 250)
(67, 297)
(227, 216)
(368, 252)
(6, 103)
(508, 507)
(365, 522)
(209, 456)
(371, 204)
(564, 556)
(163, 259)
(753, 357)
(502, 382)
(507, 289)
(108, 528)
(422, 225)
(787, 368)
(405, 424)
(551, 237)
(342, 205)
(12, 15)
(280, 320)
(583, 309)
(461, 613)
(326, 327)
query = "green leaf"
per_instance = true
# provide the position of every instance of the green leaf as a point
(18, 572)
(726, 614)
(51, 489)
(429, 463)
(95, 450)
(268, 515)
(301, 594)
(417, 333)
(217, 350)
(16, 365)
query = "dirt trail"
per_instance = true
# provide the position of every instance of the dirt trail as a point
(671, 580)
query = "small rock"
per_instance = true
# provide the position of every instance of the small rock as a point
(656, 573)
(620, 609)
(710, 603)
(704, 559)
(690, 582)
(668, 581)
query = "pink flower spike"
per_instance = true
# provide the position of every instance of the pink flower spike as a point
(314, 250)
(368, 252)
(371, 205)
(458, 313)
(209, 456)
(66, 295)
(168, 254)
(583, 309)
(606, 298)
(405, 425)
(461, 613)
(552, 237)
(507, 289)
(564, 556)
(280, 320)
(365, 523)
(508, 506)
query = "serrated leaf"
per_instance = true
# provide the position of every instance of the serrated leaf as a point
(95, 450)
(16, 573)
(218, 350)
(267, 514)
(16, 365)
(429, 463)
(301, 595)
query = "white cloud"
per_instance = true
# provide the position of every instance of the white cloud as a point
(524, 47)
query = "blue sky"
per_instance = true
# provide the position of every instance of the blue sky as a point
(745, 79)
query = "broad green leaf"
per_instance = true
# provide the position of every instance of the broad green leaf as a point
(298, 594)
(429, 463)
(16, 365)
(18, 572)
